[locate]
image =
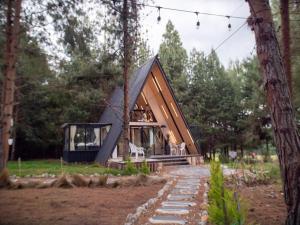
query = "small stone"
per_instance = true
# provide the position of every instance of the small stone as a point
(204, 206)
(204, 213)
(204, 218)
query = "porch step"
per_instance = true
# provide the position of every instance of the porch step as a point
(165, 157)
(176, 163)
(170, 160)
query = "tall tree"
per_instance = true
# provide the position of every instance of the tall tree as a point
(127, 31)
(212, 101)
(126, 64)
(286, 136)
(12, 44)
(285, 37)
(174, 59)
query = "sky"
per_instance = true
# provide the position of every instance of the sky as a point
(212, 31)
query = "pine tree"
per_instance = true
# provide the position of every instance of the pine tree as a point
(173, 58)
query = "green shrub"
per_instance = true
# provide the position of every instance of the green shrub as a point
(224, 205)
(130, 168)
(145, 169)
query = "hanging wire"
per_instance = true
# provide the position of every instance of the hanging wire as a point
(226, 39)
(190, 11)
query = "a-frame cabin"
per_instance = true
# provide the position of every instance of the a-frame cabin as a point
(154, 115)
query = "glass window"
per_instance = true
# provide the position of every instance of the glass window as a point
(104, 132)
(80, 138)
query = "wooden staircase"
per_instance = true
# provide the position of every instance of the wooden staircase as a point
(171, 160)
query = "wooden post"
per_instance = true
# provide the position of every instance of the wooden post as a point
(280, 105)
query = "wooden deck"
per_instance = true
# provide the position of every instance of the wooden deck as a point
(157, 162)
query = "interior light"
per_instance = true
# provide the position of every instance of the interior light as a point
(164, 111)
(144, 98)
(155, 84)
(158, 83)
(174, 109)
(190, 135)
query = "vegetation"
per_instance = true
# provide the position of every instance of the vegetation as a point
(130, 168)
(54, 167)
(145, 169)
(260, 172)
(225, 208)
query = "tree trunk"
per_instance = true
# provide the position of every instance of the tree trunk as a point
(126, 64)
(280, 106)
(285, 39)
(12, 40)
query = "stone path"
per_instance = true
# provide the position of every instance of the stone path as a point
(182, 205)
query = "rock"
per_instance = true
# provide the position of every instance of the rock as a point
(5, 179)
(79, 180)
(45, 184)
(204, 213)
(63, 182)
(204, 218)
(45, 175)
(204, 206)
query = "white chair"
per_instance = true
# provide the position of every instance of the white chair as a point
(136, 150)
(182, 148)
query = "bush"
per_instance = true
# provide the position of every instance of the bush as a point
(224, 205)
(145, 169)
(130, 168)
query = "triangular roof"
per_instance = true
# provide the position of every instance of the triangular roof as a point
(113, 113)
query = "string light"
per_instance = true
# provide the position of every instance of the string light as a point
(158, 18)
(198, 22)
(229, 24)
(189, 11)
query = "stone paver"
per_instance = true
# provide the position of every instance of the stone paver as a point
(173, 210)
(178, 203)
(181, 199)
(167, 220)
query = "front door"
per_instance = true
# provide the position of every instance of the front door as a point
(148, 137)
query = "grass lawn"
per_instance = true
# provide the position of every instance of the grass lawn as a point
(39, 167)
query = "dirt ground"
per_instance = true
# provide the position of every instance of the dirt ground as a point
(82, 206)
(265, 204)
